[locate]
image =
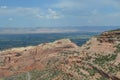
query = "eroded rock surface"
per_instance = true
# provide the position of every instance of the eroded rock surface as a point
(16, 61)
(97, 59)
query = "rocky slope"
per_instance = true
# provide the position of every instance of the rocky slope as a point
(15, 61)
(98, 59)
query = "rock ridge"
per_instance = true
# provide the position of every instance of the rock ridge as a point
(97, 59)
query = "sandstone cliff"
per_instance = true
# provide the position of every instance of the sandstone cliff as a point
(19, 60)
(98, 59)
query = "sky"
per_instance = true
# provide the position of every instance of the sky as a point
(55, 13)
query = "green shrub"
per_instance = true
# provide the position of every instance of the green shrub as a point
(102, 78)
(101, 60)
(118, 48)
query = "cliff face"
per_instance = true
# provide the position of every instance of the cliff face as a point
(20, 60)
(98, 59)
(111, 36)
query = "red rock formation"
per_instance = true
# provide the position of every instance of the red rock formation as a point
(18, 61)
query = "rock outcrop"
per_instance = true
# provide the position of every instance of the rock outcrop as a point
(19, 60)
(98, 59)
(111, 36)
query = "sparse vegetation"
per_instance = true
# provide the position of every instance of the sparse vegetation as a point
(118, 48)
(65, 63)
(101, 60)
(102, 78)
(17, 77)
(91, 72)
(113, 69)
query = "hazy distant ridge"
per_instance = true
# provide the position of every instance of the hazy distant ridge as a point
(67, 29)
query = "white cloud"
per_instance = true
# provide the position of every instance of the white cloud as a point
(68, 4)
(31, 12)
(69, 12)
(19, 11)
(39, 16)
(10, 19)
(53, 14)
(50, 14)
(86, 4)
(94, 12)
(3, 7)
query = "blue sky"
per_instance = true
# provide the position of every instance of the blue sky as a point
(48, 13)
